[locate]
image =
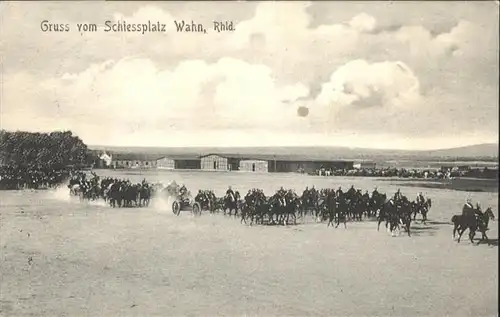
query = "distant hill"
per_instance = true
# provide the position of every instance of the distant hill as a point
(482, 152)
(473, 151)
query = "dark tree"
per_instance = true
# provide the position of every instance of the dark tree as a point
(54, 150)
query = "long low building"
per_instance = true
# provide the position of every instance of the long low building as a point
(133, 160)
(305, 166)
(178, 162)
(228, 162)
(268, 163)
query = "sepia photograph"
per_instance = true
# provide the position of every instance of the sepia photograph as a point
(249, 158)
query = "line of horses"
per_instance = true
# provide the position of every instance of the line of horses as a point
(326, 205)
(116, 192)
(334, 207)
(285, 207)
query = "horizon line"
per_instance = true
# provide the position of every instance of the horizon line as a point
(293, 146)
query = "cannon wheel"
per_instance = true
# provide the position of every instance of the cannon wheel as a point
(176, 208)
(197, 209)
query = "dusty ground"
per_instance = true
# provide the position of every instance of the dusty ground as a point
(61, 257)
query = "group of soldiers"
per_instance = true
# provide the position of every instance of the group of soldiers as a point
(118, 192)
(353, 202)
(285, 196)
(14, 178)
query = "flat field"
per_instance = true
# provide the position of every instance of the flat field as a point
(63, 257)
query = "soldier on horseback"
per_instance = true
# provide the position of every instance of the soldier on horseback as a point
(230, 194)
(249, 197)
(397, 195)
(314, 192)
(183, 193)
(339, 191)
(366, 197)
(281, 195)
(201, 197)
(358, 194)
(281, 191)
(306, 193)
(420, 199)
(468, 205)
(351, 192)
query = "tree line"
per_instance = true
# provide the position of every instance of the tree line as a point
(34, 150)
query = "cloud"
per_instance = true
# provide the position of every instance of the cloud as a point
(363, 22)
(361, 84)
(134, 92)
(358, 73)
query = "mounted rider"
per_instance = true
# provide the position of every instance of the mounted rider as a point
(306, 193)
(351, 192)
(249, 197)
(201, 197)
(183, 192)
(366, 197)
(281, 195)
(468, 206)
(339, 191)
(398, 195)
(230, 194)
(281, 191)
(314, 192)
(420, 199)
(289, 196)
(358, 194)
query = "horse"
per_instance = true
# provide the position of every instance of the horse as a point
(261, 208)
(422, 208)
(129, 194)
(472, 219)
(114, 195)
(246, 212)
(385, 212)
(310, 203)
(376, 203)
(341, 212)
(231, 204)
(405, 216)
(290, 210)
(144, 195)
(331, 208)
(358, 208)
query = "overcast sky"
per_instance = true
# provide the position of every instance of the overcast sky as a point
(408, 75)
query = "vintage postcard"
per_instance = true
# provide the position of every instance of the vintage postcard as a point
(274, 158)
